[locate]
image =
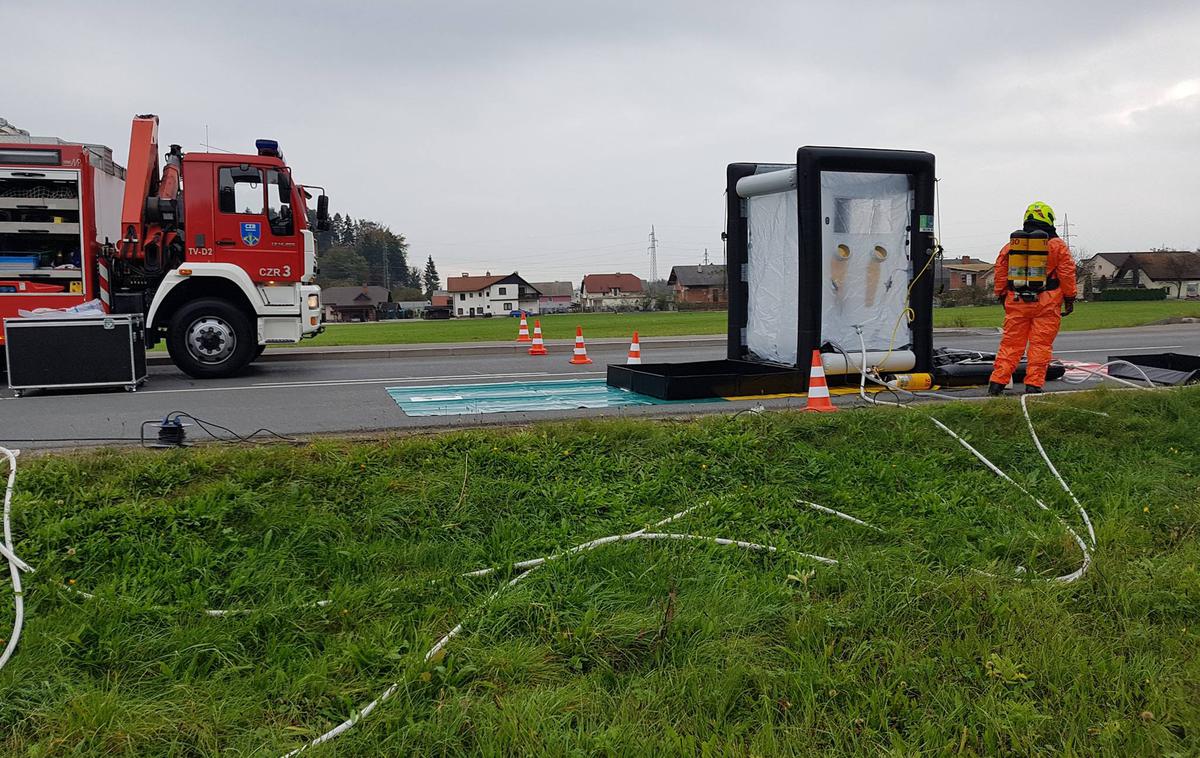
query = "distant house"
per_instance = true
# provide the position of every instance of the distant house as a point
(699, 284)
(441, 305)
(555, 296)
(1103, 265)
(948, 274)
(968, 272)
(612, 292)
(491, 295)
(343, 304)
(1176, 271)
(405, 308)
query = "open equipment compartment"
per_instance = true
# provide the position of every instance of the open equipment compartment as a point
(41, 236)
(839, 243)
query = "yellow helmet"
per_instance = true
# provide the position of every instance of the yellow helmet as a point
(1039, 211)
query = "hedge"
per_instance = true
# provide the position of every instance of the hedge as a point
(1131, 294)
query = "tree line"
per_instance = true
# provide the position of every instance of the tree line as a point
(355, 252)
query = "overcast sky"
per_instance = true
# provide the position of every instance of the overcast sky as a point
(548, 136)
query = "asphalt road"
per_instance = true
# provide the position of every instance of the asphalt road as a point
(348, 395)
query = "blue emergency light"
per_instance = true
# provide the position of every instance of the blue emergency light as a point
(268, 147)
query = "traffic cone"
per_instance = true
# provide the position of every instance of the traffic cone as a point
(523, 332)
(818, 390)
(580, 357)
(635, 352)
(538, 347)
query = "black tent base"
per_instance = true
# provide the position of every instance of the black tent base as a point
(1163, 368)
(707, 379)
(727, 378)
(977, 373)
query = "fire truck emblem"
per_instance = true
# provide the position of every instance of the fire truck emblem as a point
(251, 233)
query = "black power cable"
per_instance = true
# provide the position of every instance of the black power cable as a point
(172, 429)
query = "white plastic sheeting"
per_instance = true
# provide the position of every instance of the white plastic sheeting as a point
(773, 277)
(866, 263)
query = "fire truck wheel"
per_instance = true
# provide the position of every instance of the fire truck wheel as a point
(258, 351)
(210, 339)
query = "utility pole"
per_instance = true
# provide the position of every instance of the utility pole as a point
(1066, 235)
(653, 255)
(706, 256)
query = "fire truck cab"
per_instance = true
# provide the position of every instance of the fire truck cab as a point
(213, 248)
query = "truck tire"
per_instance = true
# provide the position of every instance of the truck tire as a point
(211, 339)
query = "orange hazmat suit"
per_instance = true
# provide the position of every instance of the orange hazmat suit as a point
(1032, 326)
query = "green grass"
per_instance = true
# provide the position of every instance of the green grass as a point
(633, 649)
(1087, 316)
(499, 329)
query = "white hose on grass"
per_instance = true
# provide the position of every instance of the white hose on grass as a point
(531, 566)
(1084, 548)
(15, 564)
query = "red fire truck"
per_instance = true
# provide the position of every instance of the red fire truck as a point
(213, 248)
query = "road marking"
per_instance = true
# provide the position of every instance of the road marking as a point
(1117, 349)
(318, 382)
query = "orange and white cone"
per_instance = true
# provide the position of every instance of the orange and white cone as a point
(635, 352)
(523, 332)
(538, 347)
(580, 356)
(818, 390)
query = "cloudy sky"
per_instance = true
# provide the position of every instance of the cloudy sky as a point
(548, 136)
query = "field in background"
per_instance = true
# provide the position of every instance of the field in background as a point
(1087, 316)
(595, 325)
(498, 329)
(633, 649)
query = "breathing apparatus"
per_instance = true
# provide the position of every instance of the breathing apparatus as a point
(1028, 261)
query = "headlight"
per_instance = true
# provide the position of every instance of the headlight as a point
(314, 301)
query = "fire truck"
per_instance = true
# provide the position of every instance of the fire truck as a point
(213, 249)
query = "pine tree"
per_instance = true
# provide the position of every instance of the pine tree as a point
(431, 279)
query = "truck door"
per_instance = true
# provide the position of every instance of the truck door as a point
(254, 228)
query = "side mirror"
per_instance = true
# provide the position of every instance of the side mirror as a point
(323, 213)
(285, 186)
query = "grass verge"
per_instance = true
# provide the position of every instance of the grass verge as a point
(1087, 316)
(554, 327)
(633, 649)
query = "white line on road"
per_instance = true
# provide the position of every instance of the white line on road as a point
(318, 382)
(1117, 349)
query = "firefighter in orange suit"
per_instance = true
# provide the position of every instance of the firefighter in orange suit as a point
(1035, 279)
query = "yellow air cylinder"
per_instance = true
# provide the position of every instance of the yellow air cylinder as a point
(1037, 260)
(913, 382)
(1018, 260)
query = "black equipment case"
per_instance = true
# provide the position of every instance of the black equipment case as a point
(77, 351)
